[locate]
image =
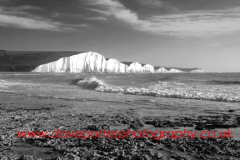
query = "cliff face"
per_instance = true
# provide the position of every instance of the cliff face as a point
(94, 62)
(135, 67)
(114, 66)
(87, 62)
(75, 62)
(148, 68)
(161, 70)
(175, 71)
(197, 71)
(84, 62)
(61, 65)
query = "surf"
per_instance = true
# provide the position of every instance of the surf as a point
(163, 89)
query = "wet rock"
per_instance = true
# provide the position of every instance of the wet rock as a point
(92, 127)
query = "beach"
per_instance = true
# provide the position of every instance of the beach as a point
(48, 102)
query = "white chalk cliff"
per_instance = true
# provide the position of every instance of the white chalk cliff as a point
(175, 71)
(135, 67)
(197, 70)
(114, 66)
(94, 62)
(61, 65)
(148, 68)
(161, 70)
(87, 62)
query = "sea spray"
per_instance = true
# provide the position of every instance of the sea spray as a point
(90, 83)
(98, 85)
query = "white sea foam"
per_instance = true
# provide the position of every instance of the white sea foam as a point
(162, 89)
(2, 80)
(90, 83)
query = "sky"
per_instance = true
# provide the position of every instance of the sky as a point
(174, 33)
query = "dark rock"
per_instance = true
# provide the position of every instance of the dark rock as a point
(198, 127)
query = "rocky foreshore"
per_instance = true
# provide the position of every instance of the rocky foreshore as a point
(47, 119)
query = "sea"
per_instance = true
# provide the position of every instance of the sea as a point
(223, 87)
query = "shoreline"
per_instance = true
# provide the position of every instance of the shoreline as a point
(52, 103)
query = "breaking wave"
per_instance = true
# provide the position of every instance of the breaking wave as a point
(164, 89)
(90, 83)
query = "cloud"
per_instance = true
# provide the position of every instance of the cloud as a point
(27, 7)
(96, 18)
(27, 23)
(195, 23)
(114, 9)
(153, 3)
(21, 19)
